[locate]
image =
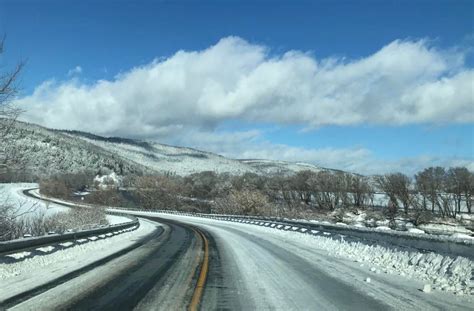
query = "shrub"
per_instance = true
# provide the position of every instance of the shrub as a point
(12, 227)
(244, 202)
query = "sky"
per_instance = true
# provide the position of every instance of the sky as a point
(364, 86)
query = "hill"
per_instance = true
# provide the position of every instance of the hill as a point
(42, 151)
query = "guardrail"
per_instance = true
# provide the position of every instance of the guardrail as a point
(23, 244)
(445, 245)
(18, 245)
(401, 239)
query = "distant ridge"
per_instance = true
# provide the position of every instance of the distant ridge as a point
(50, 151)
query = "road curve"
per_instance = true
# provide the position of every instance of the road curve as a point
(206, 264)
(251, 268)
(163, 273)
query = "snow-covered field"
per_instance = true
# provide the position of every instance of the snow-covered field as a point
(449, 227)
(23, 271)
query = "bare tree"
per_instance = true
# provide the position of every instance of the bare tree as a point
(244, 202)
(360, 190)
(157, 192)
(430, 183)
(397, 187)
(327, 189)
(8, 112)
(302, 186)
(459, 185)
(280, 189)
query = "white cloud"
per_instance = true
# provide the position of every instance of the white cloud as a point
(75, 71)
(253, 145)
(404, 82)
(183, 98)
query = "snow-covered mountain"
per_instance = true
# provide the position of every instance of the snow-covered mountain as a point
(41, 151)
(271, 167)
(164, 158)
(46, 151)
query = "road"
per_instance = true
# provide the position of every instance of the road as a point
(246, 270)
(253, 269)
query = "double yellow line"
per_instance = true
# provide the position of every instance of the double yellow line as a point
(197, 295)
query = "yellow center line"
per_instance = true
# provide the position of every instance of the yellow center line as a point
(197, 295)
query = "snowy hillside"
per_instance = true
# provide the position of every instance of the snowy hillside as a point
(164, 158)
(43, 151)
(271, 167)
(40, 151)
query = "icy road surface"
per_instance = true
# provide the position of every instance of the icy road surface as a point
(250, 268)
(27, 270)
(256, 268)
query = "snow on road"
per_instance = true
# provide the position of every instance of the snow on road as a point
(20, 272)
(273, 268)
(11, 194)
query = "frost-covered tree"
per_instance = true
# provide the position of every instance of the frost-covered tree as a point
(8, 112)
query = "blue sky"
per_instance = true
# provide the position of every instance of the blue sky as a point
(71, 45)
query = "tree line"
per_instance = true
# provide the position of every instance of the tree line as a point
(434, 191)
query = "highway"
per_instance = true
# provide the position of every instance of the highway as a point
(254, 268)
(205, 264)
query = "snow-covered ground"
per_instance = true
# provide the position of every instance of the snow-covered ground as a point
(164, 158)
(25, 206)
(23, 271)
(11, 194)
(438, 226)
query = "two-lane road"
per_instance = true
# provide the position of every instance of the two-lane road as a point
(248, 268)
(255, 268)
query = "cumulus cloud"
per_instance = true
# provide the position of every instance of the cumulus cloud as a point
(185, 97)
(405, 82)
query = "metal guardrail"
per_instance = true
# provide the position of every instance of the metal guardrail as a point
(448, 246)
(444, 245)
(23, 244)
(18, 245)
(404, 240)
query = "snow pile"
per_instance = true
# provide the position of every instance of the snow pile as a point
(415, 230)
(444, 272)
(447, 229)
(115, 220)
